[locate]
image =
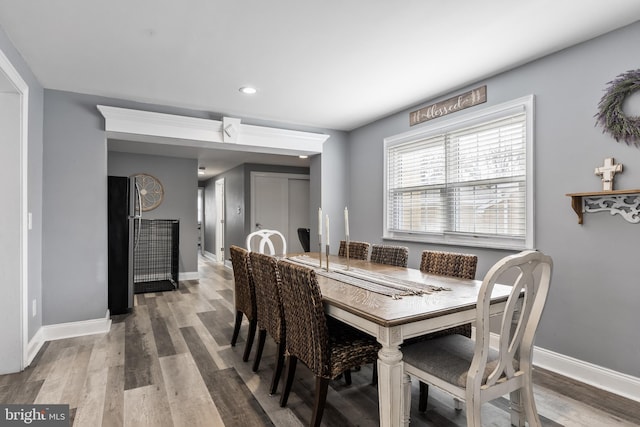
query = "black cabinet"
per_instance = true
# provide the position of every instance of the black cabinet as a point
(120, 232)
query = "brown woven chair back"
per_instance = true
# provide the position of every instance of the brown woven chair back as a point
(357, 250)
(245, 294)
(390, 255)
(266, 277)
(307, 333)
(449, 264)
(454, 265)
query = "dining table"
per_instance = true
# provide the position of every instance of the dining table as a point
(394, 304)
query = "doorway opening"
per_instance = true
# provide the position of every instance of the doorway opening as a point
(220, 220)
(14, 219)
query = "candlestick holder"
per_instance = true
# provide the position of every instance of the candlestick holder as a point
(327, 252)
(347, 251)
(320, 250)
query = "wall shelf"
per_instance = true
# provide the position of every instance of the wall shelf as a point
(625, 203)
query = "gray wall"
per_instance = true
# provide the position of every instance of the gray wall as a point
(75, 210)
(179, 178)
(234, 208)
(329, 175)
(592, 310)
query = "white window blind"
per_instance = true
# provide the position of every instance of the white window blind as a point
(463, 183)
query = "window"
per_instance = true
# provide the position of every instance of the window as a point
(466, 181)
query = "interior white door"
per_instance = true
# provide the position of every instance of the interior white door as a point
(280, 202)
(220, 220)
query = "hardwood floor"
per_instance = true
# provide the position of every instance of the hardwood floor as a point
(169, 363)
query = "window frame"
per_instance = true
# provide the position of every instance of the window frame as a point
(524, 104)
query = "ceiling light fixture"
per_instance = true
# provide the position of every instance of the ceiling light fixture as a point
(303, 156)
(201, 170)
(248, 90)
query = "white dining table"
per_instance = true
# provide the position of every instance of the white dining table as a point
(392, 320)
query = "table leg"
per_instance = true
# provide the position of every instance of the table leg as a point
(390, 393)
(391, 380)
(406, 392)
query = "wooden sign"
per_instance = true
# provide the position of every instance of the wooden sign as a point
(468, 99)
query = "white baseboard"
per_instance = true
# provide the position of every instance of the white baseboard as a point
(588, 373)
(189, 275)
(66, 330)
(597, 376)
(210, 256)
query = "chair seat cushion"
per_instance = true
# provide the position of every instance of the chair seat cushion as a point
(447, 358)
(349, 347)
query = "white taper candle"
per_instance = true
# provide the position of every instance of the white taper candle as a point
(327, 225)
(346, 221)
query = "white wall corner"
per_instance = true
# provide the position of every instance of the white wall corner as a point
(34, 346)
(77, 329)
(188, 275)
(65, 330)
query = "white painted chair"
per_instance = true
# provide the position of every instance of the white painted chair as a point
(259, 240)
(475, 373)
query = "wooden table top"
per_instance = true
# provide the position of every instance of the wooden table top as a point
(387, 311)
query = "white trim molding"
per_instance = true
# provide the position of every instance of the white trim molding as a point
(189, 275)
(597, 376)
(66, 330)
(588, 373)
(22, 89)
(34, 346)
(160, 128)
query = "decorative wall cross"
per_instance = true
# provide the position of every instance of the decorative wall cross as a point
(608, 171)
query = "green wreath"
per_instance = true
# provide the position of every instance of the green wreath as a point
(611, 116)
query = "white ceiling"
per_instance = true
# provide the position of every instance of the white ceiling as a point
(334, 64)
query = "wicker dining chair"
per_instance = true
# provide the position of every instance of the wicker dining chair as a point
(266, 277)
(326, 346)
(357, 250)
(471, 370)
(450, 264)
(245, 296)
(390, 255)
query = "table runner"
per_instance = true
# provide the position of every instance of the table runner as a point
(374, 282)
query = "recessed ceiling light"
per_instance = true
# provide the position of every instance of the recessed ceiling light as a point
(303, 156)
(248, 90)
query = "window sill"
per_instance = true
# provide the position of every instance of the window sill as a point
(473, 242)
